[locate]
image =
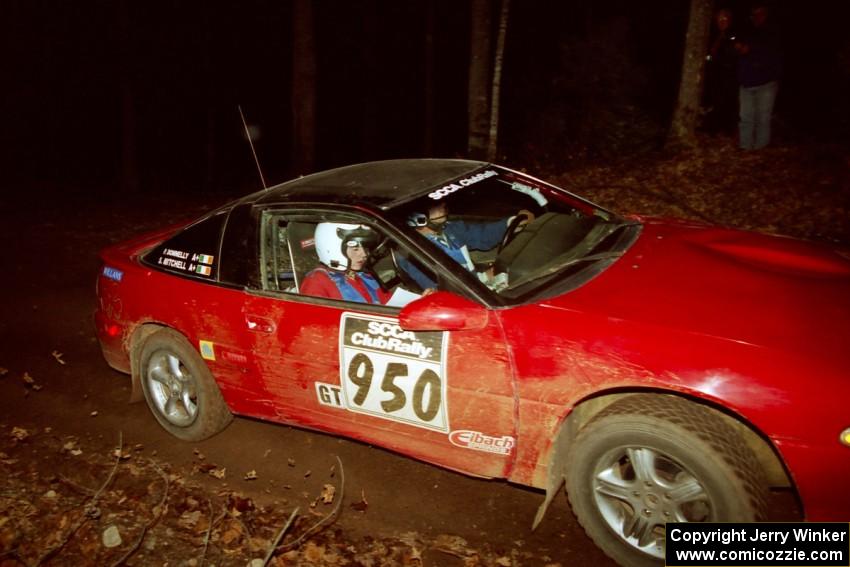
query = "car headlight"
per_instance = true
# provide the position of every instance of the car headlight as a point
(845, 437)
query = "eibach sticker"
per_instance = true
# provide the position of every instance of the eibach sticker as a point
(446, 190)
(392, 374)
(477, 441)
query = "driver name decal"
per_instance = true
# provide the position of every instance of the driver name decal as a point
(391, 373)
(460, 184)
(183, 261)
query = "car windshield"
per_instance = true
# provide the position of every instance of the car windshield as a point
(520, 237)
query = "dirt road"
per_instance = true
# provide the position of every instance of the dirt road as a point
(72, 407)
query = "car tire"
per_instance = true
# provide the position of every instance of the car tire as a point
(646, 460)
(179, 388)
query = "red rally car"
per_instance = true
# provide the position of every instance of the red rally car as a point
(661, 370)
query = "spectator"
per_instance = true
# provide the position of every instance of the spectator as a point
(721, 83)
(759, 70)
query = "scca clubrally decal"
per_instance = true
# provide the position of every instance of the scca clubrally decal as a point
(393, 374)
(460, 184)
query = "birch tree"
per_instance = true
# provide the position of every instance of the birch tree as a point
(687, 112)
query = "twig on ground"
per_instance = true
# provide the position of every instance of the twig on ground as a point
(332, 514)
(207, 537)
(276, 541)
(74, 485)
(149, 525)
(90, 510)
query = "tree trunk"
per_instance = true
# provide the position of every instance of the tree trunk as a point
(687, 112)
(129, 164)
(428, 135)
(493, 145)
(209, 73)
(369, 111)
(303, 87)
(479, 79)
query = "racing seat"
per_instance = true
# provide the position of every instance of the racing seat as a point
(302, 248)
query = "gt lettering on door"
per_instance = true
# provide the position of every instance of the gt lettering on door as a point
(393, 374)
(329, 395)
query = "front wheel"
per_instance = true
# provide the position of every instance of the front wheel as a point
(179, 389)
(647, 460)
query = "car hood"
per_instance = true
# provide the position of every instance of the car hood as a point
(742, 286)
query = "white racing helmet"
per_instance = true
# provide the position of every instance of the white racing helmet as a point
(332, 238)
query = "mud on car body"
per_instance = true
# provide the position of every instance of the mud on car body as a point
(661, 370)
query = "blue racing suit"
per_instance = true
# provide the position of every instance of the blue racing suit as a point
(457, 237)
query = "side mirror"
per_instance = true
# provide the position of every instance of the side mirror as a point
(443, 311)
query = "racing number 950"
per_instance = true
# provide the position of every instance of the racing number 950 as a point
(361, 372)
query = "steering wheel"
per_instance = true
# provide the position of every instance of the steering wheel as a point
(380, 250)
(513, 229)
(406, 280)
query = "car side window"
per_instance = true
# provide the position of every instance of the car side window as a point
(282, 269)
(192, 252)
(289, 255)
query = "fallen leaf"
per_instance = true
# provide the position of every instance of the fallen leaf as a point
(251, 475)
(232, 533)
(328, 492)
(267, 453)
(120, 455)
(316, 554)
(363, 504)
(290, 462)
(93, 414)
(240, 504)
(308, 473)
(204, 468)
(28, 380)
(19, 433)
(111, 537)
(58, 356)
(218, 473)
(188, 520)
(452, 544)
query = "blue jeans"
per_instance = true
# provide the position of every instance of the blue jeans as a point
(756, 110)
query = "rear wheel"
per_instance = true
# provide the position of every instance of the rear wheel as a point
(179, 389)
(647, 460)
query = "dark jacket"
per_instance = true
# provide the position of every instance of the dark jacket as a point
(763, 62)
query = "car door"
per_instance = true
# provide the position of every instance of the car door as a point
(349, 368)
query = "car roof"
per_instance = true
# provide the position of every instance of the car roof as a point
(381, 183)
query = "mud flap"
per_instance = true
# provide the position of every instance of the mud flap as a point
(556, 476)
(551, 490)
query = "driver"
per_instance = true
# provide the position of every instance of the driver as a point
(456, 237)
(343, 250)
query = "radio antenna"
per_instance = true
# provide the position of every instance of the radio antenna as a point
(251, 143)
